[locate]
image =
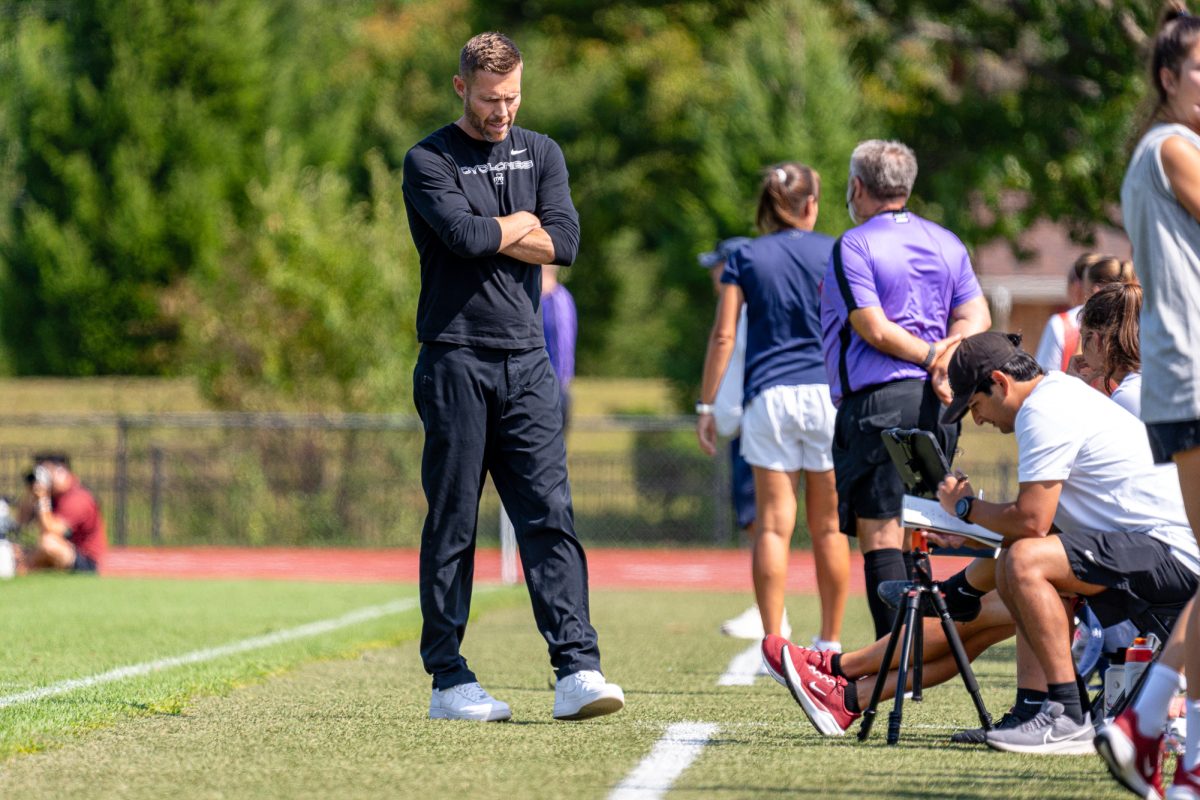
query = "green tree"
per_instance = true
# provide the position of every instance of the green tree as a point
(313, 306)
(1017, 111)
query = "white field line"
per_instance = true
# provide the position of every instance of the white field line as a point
(672, 754)
(743, 669)
(197, 656)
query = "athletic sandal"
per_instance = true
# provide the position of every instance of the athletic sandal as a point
(467, 701)
(585, 694)
(1134, 760)
(819, 693)
(1050, 732)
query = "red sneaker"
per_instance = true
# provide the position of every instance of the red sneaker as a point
(819, 693)
(772, 654)
(1186, 783)
(1134, 760)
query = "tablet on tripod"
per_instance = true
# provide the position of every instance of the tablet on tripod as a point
(918, 458)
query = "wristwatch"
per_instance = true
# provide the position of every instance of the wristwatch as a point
(962, 509)
(705, 408)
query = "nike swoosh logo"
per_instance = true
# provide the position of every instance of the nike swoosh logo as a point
(1037, 703)
(815, 689)
(518, 152)
(965, 593)
(1052, 739)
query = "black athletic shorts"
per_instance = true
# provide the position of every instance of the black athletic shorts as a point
(1138, 570)
(1169, 438)
(868, 485)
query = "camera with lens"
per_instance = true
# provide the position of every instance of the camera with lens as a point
(39, 475)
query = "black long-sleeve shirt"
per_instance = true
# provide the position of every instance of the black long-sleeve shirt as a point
(454, 187)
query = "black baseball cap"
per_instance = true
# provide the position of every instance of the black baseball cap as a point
(721, 252)
(972, 364)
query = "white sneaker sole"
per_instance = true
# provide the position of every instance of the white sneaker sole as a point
(596, 708)
(1119, 755)
(1070, 747)
(821, 719)
(495, 715)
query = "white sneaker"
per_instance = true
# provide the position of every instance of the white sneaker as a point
(748, 625)
(585, 694)
(467, 701)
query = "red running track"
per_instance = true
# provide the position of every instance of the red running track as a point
(722, 570)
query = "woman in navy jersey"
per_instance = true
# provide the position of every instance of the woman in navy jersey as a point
(787, 427)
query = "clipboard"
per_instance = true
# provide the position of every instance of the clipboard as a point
(921, 463)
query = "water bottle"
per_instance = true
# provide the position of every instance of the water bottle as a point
(1114, 687)
(1137, 658)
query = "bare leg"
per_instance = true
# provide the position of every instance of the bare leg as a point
(1036, 574)
(993, 616)
(52, 552)
(1188, 463)
(878, 534)
(938, 669)
(831, 551)
(775, 505)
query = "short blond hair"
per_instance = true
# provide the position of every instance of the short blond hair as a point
(490, 52)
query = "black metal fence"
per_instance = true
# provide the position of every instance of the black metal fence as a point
(354, 480)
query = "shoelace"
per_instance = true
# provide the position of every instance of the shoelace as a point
(1039, 720)
(590, 678)
(472, 691)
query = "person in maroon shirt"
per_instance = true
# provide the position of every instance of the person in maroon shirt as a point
(71, 534)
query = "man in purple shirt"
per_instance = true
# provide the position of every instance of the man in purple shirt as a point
(899, 294)
(560, 326)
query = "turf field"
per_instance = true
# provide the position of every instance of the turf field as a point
(341, 712)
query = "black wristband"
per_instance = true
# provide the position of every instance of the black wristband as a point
(928, 362)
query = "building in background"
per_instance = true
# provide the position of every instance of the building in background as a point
(1024, 292)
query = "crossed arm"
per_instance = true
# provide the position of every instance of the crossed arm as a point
(523, 238)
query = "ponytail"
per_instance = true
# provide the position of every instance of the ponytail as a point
(1112, 314)
(784, 192)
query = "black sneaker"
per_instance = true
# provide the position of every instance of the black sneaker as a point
(962, 608)
(979, 735)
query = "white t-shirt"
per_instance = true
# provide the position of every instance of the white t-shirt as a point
(1128, 395)
(727, 408)
(1054, 339)
(1067, 431)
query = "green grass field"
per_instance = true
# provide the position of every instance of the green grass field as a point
(343, 714)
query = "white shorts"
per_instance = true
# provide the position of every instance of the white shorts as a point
(790, 428)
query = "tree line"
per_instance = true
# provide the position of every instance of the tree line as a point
(212, 187)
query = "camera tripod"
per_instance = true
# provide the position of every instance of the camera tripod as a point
(908, 631)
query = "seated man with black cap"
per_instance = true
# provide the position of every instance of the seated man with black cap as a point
(1086, 475)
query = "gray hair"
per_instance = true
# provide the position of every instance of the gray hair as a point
(887, 169)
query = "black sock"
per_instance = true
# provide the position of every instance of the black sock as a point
(1068, 695)
(851, 698)
(1027, 703)
(835, 666)
(882, 565)
(962, 599)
